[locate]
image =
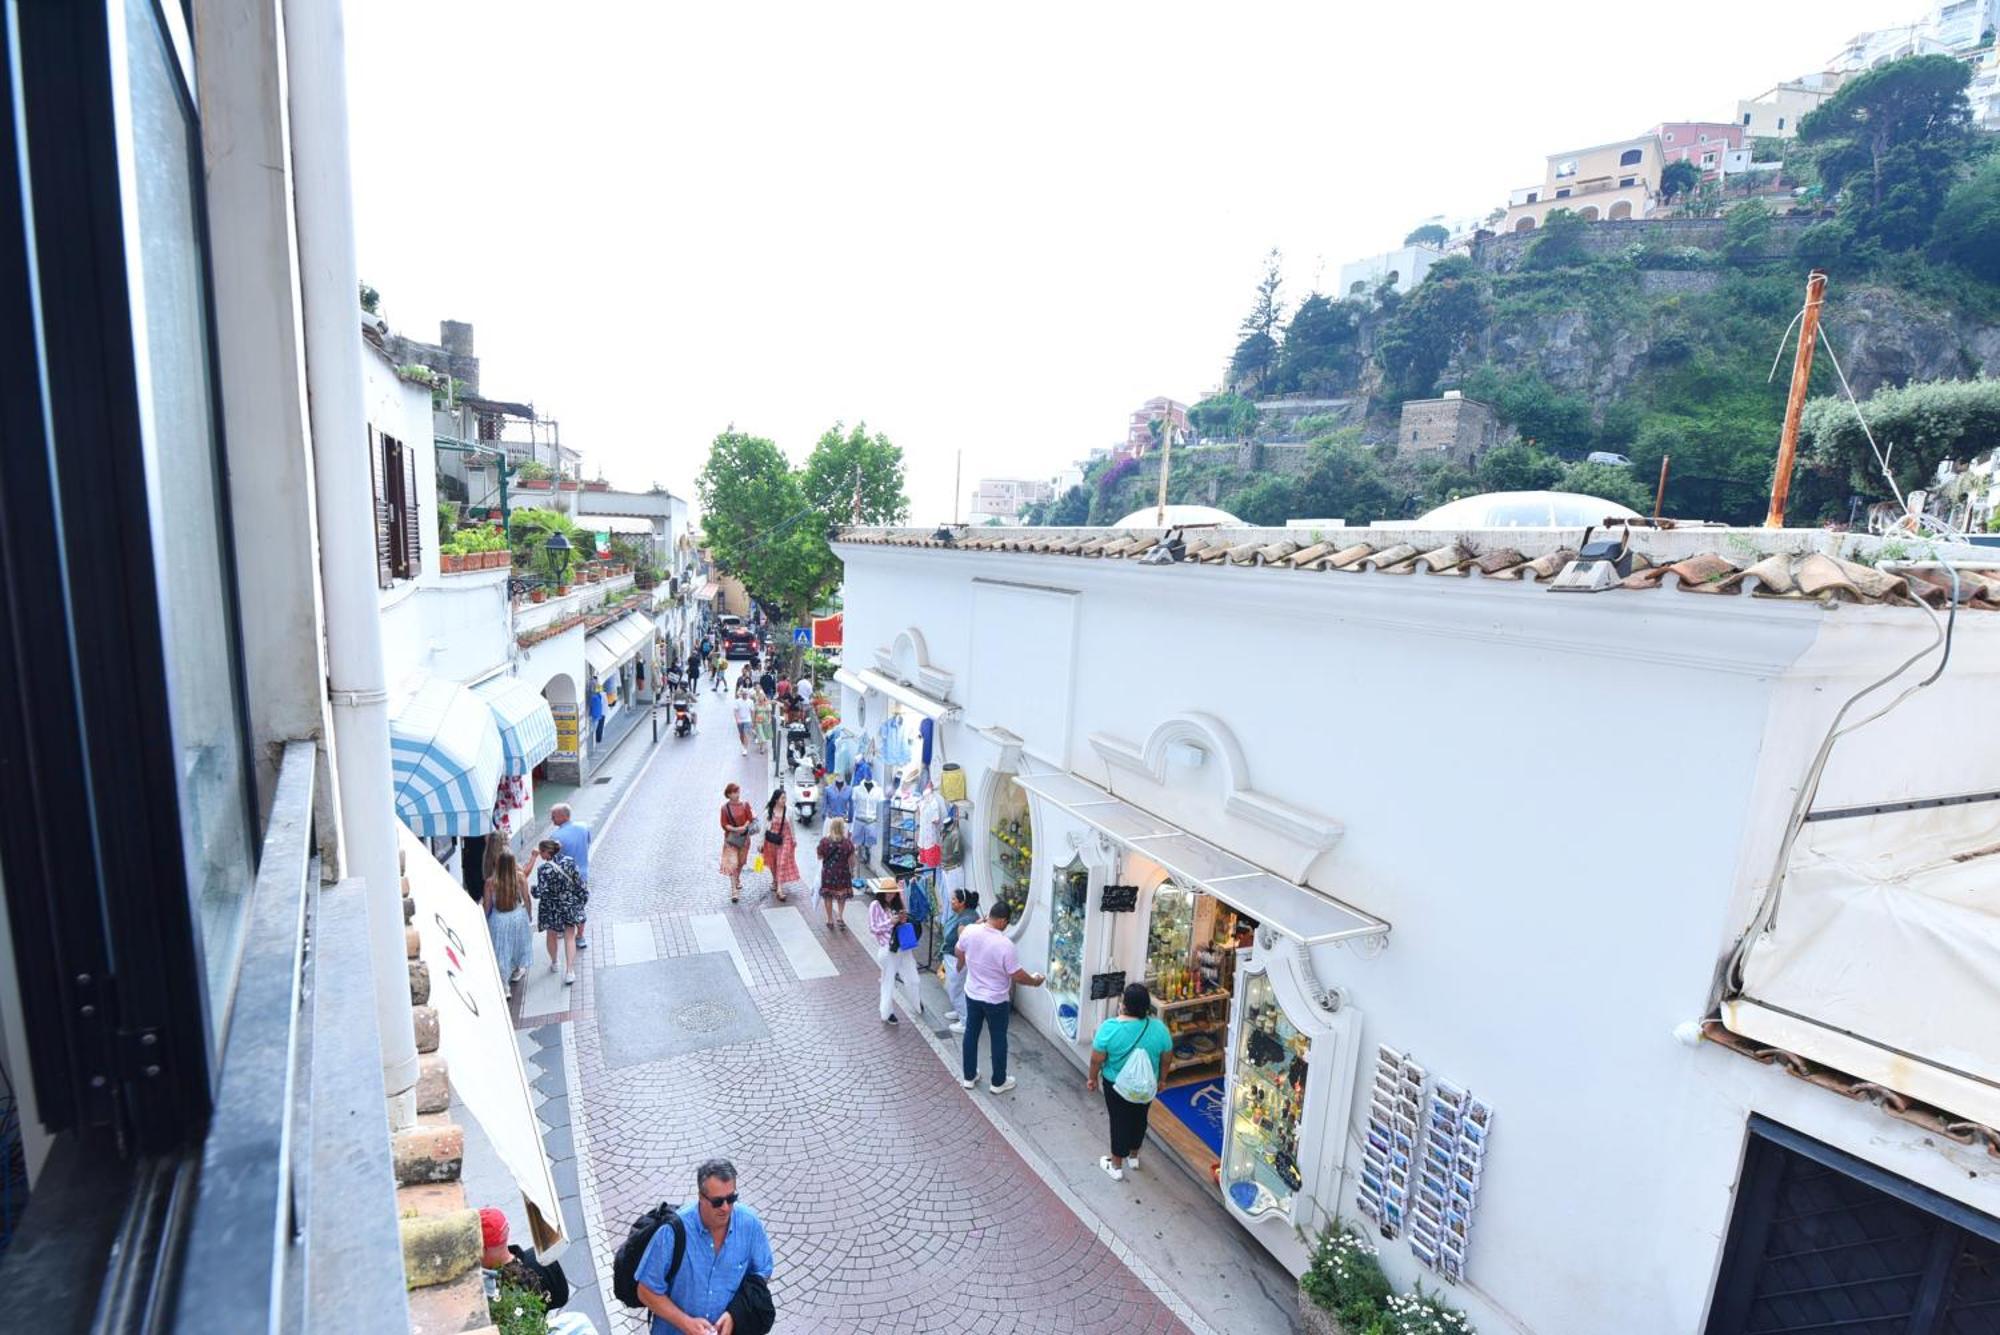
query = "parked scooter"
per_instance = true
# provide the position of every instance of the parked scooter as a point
(805, 792)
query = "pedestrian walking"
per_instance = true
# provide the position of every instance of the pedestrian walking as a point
(836, 873)
(738, 824)
(781, 848)
(1126, 1058)
(741, 708)
(768, 684)
(725, 1264)
(561, 893)
(507, 920)
(964, 913)
(719, 666)
(574, 836)
(987, 955)
(889, 923)
(597, 713)
(695, 661)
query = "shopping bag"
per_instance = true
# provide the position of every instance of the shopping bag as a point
(756, 862)
(1137, 1082)
(906, 936)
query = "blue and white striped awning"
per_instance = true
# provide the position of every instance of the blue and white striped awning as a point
(527, 728)
(444, 749)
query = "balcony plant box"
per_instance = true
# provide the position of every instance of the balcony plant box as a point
(496, 560)
(453, 563)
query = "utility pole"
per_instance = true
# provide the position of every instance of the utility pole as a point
(1660, 493)
(1166, 464)
(957, 480)
(854, 515)
(1795, 405)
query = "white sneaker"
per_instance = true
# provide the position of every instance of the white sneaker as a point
(968, 1084)
(1131, 1163)
(1001, 1089)
(957, 1027)
(951, 1015)
(568, 979)
(1116, 1174)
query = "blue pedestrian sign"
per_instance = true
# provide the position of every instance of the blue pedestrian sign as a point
(802, 635)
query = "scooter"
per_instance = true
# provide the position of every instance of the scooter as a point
(683, 718)
(798, 742)
(805, 793)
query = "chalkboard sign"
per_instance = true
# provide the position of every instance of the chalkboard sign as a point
(1104, 985)
(1119, 899)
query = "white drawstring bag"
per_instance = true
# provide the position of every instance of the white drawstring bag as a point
(1137, 1081)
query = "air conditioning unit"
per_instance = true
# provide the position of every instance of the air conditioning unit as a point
(1597, 566)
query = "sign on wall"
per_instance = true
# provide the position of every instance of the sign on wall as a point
(1104, 985)
(1118, 899)
(568, 738)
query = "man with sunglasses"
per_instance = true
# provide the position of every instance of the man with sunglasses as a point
(726, 1245)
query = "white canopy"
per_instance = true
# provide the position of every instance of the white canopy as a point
(865, 680)
(612, 644)
(1273, 901)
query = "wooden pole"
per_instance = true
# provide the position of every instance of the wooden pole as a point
(1795, 405)
(1660, 492)
(1166, 464)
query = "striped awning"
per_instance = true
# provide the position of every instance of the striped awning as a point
(527, 728)
(445, 753)
(610, 645)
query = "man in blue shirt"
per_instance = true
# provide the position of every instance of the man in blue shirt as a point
(574, 836)
(725, 1242)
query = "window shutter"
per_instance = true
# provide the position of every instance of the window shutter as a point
(385, 573)
(413, 529)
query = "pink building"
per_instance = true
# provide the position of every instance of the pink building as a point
(1701, 142)
(1139, 436)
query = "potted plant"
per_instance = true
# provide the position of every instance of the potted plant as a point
(538, 594)
(452, 556)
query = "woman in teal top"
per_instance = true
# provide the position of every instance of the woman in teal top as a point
(964, 912)
(1135, 1029)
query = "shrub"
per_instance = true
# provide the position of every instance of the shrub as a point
(1344, 1274)
(518, 1311)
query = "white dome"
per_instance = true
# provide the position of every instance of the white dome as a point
(1525, 509)
(1188, 515)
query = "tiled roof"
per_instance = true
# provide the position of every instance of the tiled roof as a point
(1914, 1111)
(1797, 564)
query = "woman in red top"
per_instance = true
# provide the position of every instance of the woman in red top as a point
(736, 818)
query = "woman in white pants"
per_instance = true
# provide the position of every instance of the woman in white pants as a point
(964, 912)
(885, 914)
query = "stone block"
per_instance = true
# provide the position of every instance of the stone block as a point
(428, 1154)
(409, 909)
(426, 1020)
(437, 1249)
(420, 983)
(413, 943)
(433, 1084)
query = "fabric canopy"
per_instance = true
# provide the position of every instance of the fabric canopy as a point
(866, 680)
(527, 728)
(1273, 901)
(611, 645)
(706, 593)
(446, 757)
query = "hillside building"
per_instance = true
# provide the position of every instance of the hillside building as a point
(1404, 267)
(1004, 498)
(1707, 144)
(1140, 435)
(1606, 182)
(1450, 424)
(1775, 113)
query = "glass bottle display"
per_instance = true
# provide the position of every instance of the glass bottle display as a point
(1260, 1168)
(1065, 984)
(1169, 934)
(1010, 848)
(1190, 968)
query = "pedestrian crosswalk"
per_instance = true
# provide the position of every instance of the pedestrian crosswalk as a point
(713, 934)
(800, 943)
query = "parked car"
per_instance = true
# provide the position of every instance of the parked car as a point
(1607, 457)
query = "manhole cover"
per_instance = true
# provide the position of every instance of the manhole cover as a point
(703, 1017)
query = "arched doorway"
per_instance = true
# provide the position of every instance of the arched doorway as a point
(1621, 210)
(1589, 213)
(566, 765)
(1525, 225)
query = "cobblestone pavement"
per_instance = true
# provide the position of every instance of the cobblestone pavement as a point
(892, 1203)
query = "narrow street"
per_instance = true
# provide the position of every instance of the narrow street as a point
(701, 1028)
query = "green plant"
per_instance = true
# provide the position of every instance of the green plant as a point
(528, 470)
(518, 1311)
(418, 374)
(1344, 1274)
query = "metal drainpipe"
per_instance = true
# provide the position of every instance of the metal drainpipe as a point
(328, 281)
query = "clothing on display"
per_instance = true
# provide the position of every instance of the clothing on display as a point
(894, 744)
(867, 818)
(930, 821)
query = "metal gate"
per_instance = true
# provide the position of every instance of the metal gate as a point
(1824, 1243)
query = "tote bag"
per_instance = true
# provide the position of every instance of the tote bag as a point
(1137, 1081)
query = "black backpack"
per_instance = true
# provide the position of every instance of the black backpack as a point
(625, 1266)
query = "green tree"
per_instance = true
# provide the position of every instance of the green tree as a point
(1256, 354)
(1518, 467)
(1069, 509)
(1224, 417)
(1267, 502)
(1558, 242)
(1680, 177)
(1344, 480)
(1890, 142)
(1968, 227)
(1916, 425)
(841, 462)
(1322, 348)
(1429, 234)
(1611, 482)
(761, 527)
(1536, 409)
(1746, 231)
(1429, 328)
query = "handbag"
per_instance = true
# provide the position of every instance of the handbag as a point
(904, 937)
(775, 836)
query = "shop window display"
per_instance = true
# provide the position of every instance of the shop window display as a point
(1011, 848)
(1071, 893)
(1261, 1169)
(1191, 943)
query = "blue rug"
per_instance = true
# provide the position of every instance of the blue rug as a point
(1199, 1107)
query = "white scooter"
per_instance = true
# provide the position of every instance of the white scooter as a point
(805, 793)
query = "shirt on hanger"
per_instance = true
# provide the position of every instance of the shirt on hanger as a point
(868, 803)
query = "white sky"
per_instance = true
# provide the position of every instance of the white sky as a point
(997, 235)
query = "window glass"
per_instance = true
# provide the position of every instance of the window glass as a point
(169, 301)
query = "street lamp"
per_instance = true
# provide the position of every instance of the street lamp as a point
(559, 550)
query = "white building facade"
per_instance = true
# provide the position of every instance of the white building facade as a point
(1405, 266)
(1371, 832)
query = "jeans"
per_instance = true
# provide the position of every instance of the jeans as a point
(954, 984)
(978, 1015)
(899, 964)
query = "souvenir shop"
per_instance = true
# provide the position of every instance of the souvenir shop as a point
(910, 804)
(1256, 1093)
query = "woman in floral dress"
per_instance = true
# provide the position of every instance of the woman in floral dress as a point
(836, 873)
(781, 847)
(561, 893)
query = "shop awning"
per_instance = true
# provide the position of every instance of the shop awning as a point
(446, 757)
(868, 679)
(827, 631)
(706, 593)
(527, 728)
(1293, 909)
(610, 645)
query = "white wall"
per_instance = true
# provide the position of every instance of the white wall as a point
(1562, 804)
(1409, 264)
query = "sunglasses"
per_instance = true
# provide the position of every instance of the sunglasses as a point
(717, 1202)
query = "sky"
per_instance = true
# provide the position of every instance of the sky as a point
(988, 232)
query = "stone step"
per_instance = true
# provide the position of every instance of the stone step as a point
(427, 1152)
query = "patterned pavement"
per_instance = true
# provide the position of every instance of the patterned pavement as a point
(892, 1203)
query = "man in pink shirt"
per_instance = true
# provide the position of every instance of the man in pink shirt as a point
(987, 959)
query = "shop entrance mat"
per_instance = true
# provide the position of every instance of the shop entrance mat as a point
(1197, 1106)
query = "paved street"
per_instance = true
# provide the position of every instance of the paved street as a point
(702, 1028)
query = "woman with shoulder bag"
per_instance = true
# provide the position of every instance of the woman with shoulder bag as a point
(781, 849)
(739, 822)
(1139, 1040)
(560, 891)
(889, 923)
(836, 873)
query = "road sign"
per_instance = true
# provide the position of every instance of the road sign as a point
(801, 635)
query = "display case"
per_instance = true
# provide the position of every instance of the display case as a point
(1010, 848)
(1292, 1065)
(1068, 900)
(899, 836)
(1190, 966)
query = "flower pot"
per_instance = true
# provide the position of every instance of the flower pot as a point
(538, 595)
(496, 560)
(453, 563)
(562, 590)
